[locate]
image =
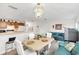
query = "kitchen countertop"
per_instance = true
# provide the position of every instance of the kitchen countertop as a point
(11, 33)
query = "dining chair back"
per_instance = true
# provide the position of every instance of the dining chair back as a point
(19, 47)
(49, 35)
(31, 35)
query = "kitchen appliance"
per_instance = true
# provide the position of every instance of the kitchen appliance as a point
(71, 34)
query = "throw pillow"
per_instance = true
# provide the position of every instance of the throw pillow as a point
(70, 46)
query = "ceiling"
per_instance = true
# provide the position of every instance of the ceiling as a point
(52, 11)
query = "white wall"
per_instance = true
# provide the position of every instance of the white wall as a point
(46, 25)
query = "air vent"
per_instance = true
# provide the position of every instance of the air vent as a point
(12, 7)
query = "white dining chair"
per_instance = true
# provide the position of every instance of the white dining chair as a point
(31, 35)
(20, 50)
(49, 35)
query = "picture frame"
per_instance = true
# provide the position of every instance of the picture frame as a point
(58, 26)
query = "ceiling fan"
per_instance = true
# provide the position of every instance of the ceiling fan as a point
(12, 7)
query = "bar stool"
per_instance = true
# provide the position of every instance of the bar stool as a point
(9, 45)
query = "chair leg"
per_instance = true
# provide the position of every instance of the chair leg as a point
(37, 52)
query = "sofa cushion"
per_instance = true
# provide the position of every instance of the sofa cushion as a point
(61, 34)
(58, 36)
(70, 46)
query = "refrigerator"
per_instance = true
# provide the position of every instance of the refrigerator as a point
(71, 34)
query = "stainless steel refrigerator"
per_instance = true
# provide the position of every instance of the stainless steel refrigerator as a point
(71, 34)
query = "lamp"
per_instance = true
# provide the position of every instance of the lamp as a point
(38, 9)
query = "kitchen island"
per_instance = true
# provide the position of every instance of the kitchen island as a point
(4, 37)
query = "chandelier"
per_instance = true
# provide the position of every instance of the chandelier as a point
(38, 10)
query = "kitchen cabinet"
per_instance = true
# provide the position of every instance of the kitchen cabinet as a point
(3, 24)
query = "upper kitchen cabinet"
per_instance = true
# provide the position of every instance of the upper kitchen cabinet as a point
(3, 24)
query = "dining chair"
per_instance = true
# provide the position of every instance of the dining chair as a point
(20, 50)
(49, 35)
(31, 35)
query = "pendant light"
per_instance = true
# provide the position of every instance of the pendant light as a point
(38, 10)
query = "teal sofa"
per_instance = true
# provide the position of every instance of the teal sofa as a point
(62, 51)
(58, 36)
(75, 50)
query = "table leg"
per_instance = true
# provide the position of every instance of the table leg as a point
(37, 52)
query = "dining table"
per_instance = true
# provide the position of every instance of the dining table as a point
(37, 44)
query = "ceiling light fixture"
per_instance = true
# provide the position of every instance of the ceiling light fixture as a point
(38, 10)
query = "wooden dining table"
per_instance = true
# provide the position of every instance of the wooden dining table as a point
(36, 45)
